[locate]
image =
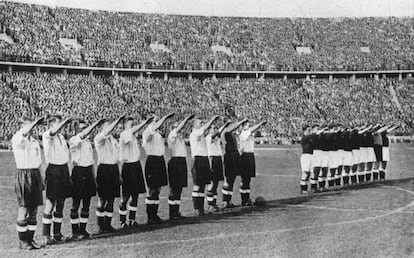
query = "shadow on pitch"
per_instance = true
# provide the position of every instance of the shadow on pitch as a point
(239, 213)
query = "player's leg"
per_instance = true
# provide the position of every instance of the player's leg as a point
(109, 212)
(123, 208)
(31, 226)
(125, 195)
(306, 165)
(322, 178)
(152, 202)
(86, 203)
(314, 178)
(21, 228)
(228, 191)
(47, 220)
(375, 170)
(198, 199)
(133, 208)
(212, 196)
(174, 201)
(74, 217)
(382, 171)
(100, 214)
(346, 174)
(245, 190)
(58, 219)
(368, 171)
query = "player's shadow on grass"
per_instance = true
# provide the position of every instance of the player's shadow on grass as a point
(240, 213)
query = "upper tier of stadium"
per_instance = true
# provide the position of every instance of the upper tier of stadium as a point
(41, 34)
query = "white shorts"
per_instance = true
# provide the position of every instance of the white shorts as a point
(333, 159)
(356, 158)
(306, 162)
(371, 155)
(340, 157)
(347, 159)
(325, 159)
(363, 154)
(317, 158)
(385, 154)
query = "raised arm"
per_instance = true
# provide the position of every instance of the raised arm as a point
(113, 125)
(221, 129)
(209, 123)
(141, 125)
(59, 126)
(392, 128)
(29, 129)
(162, 120)
(89, 129)
(236, 125)
(255, 127)
(184, 122)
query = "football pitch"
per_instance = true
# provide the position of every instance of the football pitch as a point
(375, 220)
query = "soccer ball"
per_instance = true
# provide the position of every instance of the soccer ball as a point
(260, 201)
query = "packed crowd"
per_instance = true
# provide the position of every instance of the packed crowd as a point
(286, 104)
(126, 39)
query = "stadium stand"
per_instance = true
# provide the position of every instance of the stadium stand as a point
(42, 34)
(286, 104)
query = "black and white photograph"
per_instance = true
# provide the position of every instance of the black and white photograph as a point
(207, 128)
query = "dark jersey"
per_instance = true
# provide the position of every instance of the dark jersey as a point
(325, 138)
(231, 142)
(317, 144)
(385, 140)
(355, 140)
(370, 139)
(306, 143)
(347, 141)
(340, 140)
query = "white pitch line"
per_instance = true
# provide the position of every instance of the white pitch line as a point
(242, 234)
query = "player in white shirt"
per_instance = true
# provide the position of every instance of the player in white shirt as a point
(155, 170)
(177, 167)
(133, 182)
(28, 185)
(107, 175)
(247, 160)
(58, 182)
(83, 178)
(201, 166)
(215, 153)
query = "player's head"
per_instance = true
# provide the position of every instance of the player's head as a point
(105, 124)
(246, 125)
(198, 122)
(25, 121)
(82, 125)
(128, 122)
(174, 125)
(306, 129)
(55, 119)
(315, 128)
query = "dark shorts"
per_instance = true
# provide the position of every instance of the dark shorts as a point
(248, 165)
(58, 182)
(132, 179)
(378, 152)
(107, 179)
(84, 185)
(201, 170)
(28, 187)
(155, 172)
(217, 169)
(232, 164)
(177, 172)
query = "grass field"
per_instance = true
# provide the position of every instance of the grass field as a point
(374, 220)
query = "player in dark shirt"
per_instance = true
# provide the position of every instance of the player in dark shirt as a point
(306, 158)
(316, 157)
(385, 151)
(347, 160)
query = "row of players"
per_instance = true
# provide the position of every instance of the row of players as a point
(335, 155)
(207, 144)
